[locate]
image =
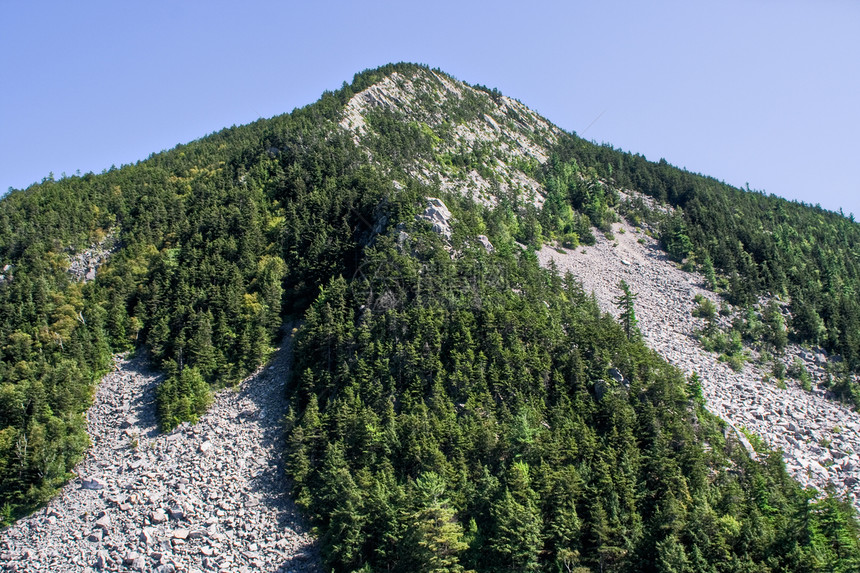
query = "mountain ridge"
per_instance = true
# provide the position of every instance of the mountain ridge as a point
(410, 335)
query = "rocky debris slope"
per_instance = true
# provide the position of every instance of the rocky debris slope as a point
(207, 497)
(502, 137)
(819, 437)
(83, 265)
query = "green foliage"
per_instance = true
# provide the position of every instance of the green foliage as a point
(798, 371)
(674, 236)
(575, 200)
(182, 397)
(705, 308)
(729, 345)
(766, 330)
(761, 244)
(213, 242)
(778, 370)
(448, 413)
(476, 409)
(625, 303)
(775, 334)
(53, 346)
(709, 272)
(695, 391)
(435, 535)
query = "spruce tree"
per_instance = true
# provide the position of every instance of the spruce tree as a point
(625, 302)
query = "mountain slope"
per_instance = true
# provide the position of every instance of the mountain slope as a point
(819, 436)
(454, 405)
(207, 496)
(479, 149)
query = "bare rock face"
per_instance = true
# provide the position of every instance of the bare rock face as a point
(819, 438)
(438, 215)
(485, 242)
(202, 498)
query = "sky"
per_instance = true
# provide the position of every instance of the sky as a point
(764, 93)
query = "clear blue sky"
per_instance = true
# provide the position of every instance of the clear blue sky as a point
(754, 91)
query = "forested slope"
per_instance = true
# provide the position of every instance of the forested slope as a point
(763, 245)
(212, 237)
(454, 405)
(482, 414)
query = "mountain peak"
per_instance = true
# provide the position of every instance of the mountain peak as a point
(486, 144)
(453, 404)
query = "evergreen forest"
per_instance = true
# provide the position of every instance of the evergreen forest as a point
(453, 407)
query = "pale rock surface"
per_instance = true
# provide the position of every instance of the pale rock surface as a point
(83, 265)
(509, 130)
(438, 215)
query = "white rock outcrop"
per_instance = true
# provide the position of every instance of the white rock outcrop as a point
(438, 215)
(505, 137)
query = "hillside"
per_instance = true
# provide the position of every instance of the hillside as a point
(818, 436)
(200, 496)
(452, 404)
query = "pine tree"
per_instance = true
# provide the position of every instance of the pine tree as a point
(775, 333)
(671, 557)
(200, 350)
(438, 534)
(340, 503)
(625, 302)
(517, 537)
(708, 271)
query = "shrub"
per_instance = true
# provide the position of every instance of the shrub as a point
(183, 397)
(705, 309)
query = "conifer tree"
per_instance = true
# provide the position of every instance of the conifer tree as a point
(708, 271)
(625, 303)
(438, 534)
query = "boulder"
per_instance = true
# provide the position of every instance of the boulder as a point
(103, 522)
(102, 559)
(485, 242)
(130, 557)
(438, 215)
(147, 536)
(93, 483)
